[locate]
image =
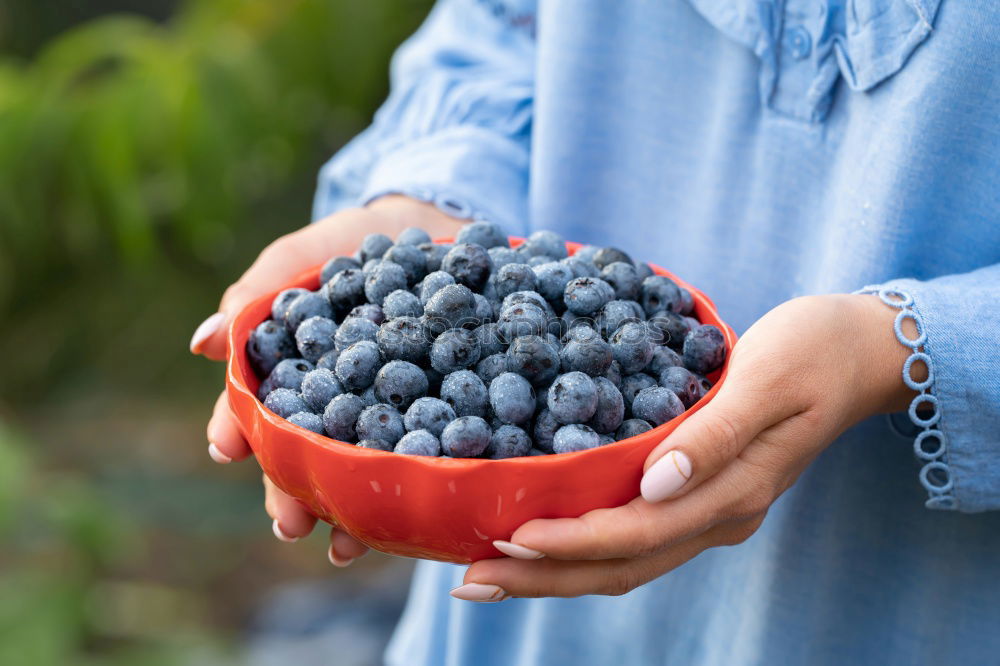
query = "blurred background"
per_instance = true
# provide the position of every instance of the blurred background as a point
(148, 150)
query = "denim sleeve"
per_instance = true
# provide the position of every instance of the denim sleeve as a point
(456, 127)
(957, 411)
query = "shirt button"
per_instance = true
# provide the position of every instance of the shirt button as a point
(799, 42)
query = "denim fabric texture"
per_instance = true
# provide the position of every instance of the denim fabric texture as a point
(763, 151)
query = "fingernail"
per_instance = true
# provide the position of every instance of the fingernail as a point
(665, 477)
(217, 455)
(206, 330)
(520, 552)
(336, 561)
(276, 528)
(479, 592)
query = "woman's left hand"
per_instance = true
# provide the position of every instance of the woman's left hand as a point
(801, 375)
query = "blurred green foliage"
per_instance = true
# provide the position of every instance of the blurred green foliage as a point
(144, 161)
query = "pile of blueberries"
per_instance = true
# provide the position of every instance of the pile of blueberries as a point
(477, 349)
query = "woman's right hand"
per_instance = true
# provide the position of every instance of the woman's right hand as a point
(282, 260)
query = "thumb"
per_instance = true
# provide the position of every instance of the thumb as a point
(707, 441)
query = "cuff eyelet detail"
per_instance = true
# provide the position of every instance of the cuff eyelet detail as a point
(930, 444)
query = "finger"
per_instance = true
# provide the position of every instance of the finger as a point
(225, 443)
(280, 262)
(291, 520)
(344, 548)
(709, 439)
(499, 579)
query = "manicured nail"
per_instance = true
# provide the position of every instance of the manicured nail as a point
(205, 330)
(217, 455)
(520, 552)
(665, 477)
(336, 561)
(276, 528)
(479, 592)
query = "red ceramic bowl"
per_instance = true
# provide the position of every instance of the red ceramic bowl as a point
(435, 508)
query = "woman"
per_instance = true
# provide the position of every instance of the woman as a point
(781, 156)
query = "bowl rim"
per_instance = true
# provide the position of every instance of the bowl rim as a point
(237, 365)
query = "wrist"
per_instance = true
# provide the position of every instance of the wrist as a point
(398, 212)
(882, 356)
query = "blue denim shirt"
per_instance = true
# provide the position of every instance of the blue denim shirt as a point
(761, 150)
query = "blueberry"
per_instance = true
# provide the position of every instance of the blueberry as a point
(643, 270)
(288, 374)
(532, 297)
(374, 246)
(358, 365)
(402, 303)
(521, 319)
(568, 321)
(346, 289)
(429, 414)
(687, 302)
(466, 437)
(328, 361)
(538, 261)
(369, 311)
(434, 254)
(319, 387)
(453, 350)
(663, 358)
(656, 405)
(340, 416)
(581, 267)
(610, 408)
(614, 374)
(545, 429)
(623, 279)
(501, 256)
(537, 452)
(376, 445)
(659, 293)
(413, 236)
(585, 350)
(542, 398)
(285, 402)
(368, 395)
(369, 266)
(484, 309)
(466, 393)
(491, 367)
(546, 244)
(384, 279)
(469, 264)
(704, 349)
(613, 315)
(683, 383)
(314, 337)
(412, 260)
(575, 437)
(632, 384)
(403, 338)
(335, 265)
(432, 284)
(552, 280)
(486, 234)
(304, 306)
(631, 428)
(307, 420)
(380, 421)
(489, 338)
(609, 255)
(587, 252)
(670, 327)
(434, 379)
(269, 343)
(508, 441)
(573, 398)
(607, 439)
(418, 443)
(586, 295)
(534, 358)
(281, 302)
(452, 306)
(399, 383)
(631, 347)
(512, 398)
(513, 277)
(355, 329)
(704, 385)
